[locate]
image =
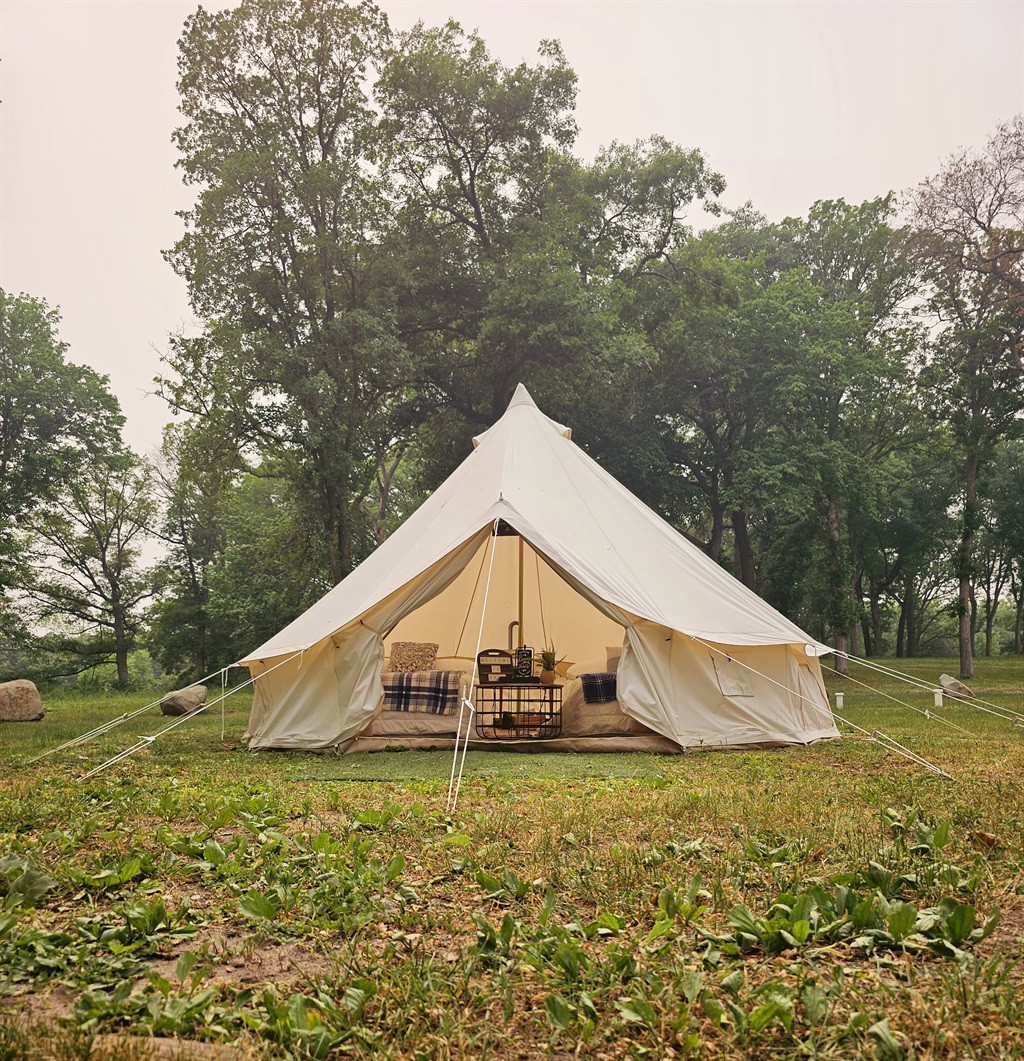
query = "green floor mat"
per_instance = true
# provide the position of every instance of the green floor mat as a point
(437, 765)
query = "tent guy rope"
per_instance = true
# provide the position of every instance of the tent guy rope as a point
(903, 703)
(880, 738)
(145, 742)
(453, 799)
(106, 727)
(1006, 713)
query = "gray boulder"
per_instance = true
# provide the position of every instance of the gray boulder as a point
(184, 701)
(20, 702)
(954, 687)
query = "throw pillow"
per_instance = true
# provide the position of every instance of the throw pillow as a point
(412, 655)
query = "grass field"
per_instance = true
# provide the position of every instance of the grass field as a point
(832, 901)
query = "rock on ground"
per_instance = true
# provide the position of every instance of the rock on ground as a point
(20, 701)
(954, 687)
(184, 701)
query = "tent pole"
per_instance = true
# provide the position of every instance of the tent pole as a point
(522, 639)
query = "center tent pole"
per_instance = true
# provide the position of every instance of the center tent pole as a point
(522, 639)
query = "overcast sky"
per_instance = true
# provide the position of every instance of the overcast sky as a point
(792, 102)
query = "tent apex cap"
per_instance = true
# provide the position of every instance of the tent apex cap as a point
(521, 397)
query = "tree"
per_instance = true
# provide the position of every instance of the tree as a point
(1006, 507)
(856, 408)
(784, 391)
(87, 576)
(906, 540)
(519, 258)
(269, 572)
(971, 237)
(54, 416)
(194, 482)
(286, 251)
(973, 210)
(977, 388)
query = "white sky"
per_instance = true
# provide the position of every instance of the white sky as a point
(792, 102)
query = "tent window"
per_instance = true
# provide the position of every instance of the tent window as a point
(732, 678)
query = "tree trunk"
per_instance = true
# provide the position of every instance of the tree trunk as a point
(869, 636)
(901, 625)
(1018, 624)
(876, 625)
(345, 545)
(745, 568)
(965, 566)
(837, 588)
(201, 649)
(121, 647)
(860, 628)
(840, 664)
(915, 630)
(714, 547)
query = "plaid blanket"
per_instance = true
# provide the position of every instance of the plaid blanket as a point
(598, 688)
(436, 691)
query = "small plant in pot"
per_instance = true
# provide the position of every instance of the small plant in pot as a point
(548, 662)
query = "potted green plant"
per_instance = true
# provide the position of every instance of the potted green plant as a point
(548, 661)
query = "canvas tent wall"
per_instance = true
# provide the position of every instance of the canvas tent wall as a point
(610, 564)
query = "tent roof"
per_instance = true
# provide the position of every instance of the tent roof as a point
(526, 470)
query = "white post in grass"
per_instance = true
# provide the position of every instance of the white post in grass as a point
(839, 701)
(937, 697)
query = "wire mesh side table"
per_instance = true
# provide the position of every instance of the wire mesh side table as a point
(518, 711)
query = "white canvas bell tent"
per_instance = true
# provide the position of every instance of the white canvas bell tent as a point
(704, 660)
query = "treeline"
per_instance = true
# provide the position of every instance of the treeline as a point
(391, 231)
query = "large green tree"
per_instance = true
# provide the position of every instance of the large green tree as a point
(968, 220)
(195, 480)
(521, 259)
(269, 571)
(88, 581)
(1006, 507)
(287, 253)
(856, 409)
(54, 416)
(783, 393)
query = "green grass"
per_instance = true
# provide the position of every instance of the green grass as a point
(298, 905)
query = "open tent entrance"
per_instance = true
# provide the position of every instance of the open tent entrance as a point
(528, 603)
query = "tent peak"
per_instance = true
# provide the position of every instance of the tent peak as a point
(521, 397)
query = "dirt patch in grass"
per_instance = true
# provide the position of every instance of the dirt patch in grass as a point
(1009, 933)
(136, 1048)
(263, 963)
